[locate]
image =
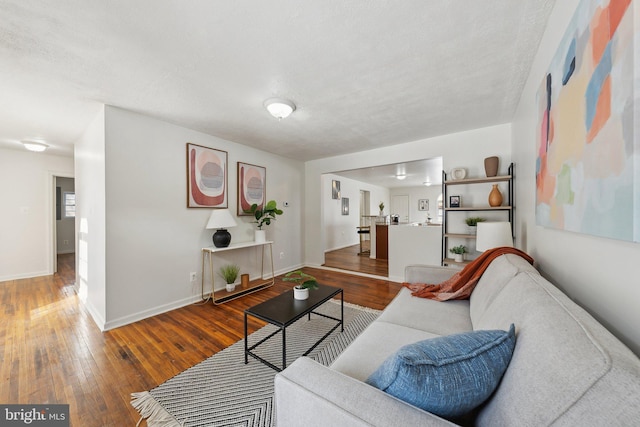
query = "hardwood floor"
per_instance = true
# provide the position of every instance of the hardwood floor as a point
(348, 259)
(51, 351)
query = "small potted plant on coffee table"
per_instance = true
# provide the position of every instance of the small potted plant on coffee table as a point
(458, 252)
(303, 282)
(230, 273)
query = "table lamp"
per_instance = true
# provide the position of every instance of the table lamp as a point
(493, 235)
(221, 219)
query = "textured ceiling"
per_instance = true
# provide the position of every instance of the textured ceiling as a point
(363, 74)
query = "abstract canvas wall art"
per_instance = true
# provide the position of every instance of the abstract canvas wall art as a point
(587, 169)
(251, 187)
(206, 177)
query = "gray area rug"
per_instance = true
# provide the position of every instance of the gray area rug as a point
(223, 391)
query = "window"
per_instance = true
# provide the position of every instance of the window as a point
(440, 208)
(69, 204)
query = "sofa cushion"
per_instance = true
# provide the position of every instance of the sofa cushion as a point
(448, 376)
(563, 356)
(428, 315)
(378, 342)
(495, 277)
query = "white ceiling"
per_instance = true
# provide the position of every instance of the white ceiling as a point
(363, 74)
(416, 173)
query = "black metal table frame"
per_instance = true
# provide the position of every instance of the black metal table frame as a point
(283, 327)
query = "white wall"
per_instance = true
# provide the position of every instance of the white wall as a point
(601, 274)
(341, 230)
(430, 193)
(89, 155)
(153, 241)
(27, 212)
(465, 149)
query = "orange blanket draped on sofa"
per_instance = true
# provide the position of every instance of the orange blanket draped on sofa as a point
(461, 284)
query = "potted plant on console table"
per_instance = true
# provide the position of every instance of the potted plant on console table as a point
(303, 281)
(263, 217)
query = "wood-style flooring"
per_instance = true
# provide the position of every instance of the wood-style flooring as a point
(51, 351)
(348, 259)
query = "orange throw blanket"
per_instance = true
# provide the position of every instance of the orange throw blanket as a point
(461, 284)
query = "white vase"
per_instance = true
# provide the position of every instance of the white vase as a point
(230, 287)
(300, 293)
(260, 236)
(458, 257)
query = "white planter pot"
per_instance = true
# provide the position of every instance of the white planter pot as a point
(260, 236)
(300, 293)
(472, 229)
(458, 257)
(231, 287)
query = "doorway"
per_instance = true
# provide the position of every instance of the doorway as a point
(64, 231)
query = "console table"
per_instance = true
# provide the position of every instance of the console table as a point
(253, 286)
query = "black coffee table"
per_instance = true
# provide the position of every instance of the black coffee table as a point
(284, 310)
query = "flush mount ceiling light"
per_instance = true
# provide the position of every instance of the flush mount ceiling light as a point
(34, 145)
(279, 108)
(401, 176)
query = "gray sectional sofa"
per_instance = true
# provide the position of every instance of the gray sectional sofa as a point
(566, 369)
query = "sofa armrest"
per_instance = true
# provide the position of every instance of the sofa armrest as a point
(310, 394)
(428, 273)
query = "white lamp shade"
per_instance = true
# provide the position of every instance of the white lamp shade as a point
(221, 218)
(493, 235)
(279, 108)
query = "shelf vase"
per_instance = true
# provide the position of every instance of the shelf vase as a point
(458, 257)
(491, 166)
(495, 197)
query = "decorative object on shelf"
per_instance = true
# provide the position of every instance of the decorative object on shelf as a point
(491, 166)
(229, 273)
(264, 216)
(221, 219)
(335, 189)
(458, 253)
(458, 173)
(472, 223)
(279, 108)
(381, 206)
(423, 204)
(252, 187)
(303, 282)
(493, 235)
(454, 201)
(495, 196)
(345, 206)
(244, 280)
(206, 177)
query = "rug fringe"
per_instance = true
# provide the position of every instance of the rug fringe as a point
(149, 408)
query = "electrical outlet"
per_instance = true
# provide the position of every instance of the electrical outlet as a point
(281, 255)
(192, 276)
